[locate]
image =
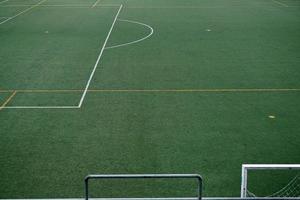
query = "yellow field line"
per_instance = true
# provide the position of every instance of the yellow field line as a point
(158, 90)
(8, 100)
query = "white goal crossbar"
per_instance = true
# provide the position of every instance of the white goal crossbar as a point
(246, 167)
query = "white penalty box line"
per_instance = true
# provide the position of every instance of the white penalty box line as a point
(62, 5)
(99, 58)
(22, 12)
(41, 107)
(90, 77)
(4, 18)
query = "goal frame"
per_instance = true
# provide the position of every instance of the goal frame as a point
(247, 167)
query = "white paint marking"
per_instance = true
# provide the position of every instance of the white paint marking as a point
(24, 11)
(176, 7)
(41, 107)
(95, 3)
(272, 117)
(208, 30)
(99, 57)
(166, 198)
(6, 19)
(62, 5)
(3, 1)
(280, 3)
(136, 41)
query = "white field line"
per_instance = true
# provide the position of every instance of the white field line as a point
(109, 5)
(166, 198)
(24, 11)
(171, 198)
(53, 5)
(8, 100)
(3, 1)
(216, 90)
(99, 57)
(5, 19)
(41, 107)
(62, 5)
(129, 7)
(280, 3)
(117, 5)
(95, 3)
(176, 7)
(175, 198)
(136, 41)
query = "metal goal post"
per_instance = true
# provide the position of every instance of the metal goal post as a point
(144, 176)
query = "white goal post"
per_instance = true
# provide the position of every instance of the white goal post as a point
(247, 167)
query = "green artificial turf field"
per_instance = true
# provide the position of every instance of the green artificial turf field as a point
(197, 86)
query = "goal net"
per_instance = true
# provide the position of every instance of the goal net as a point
(270, 180)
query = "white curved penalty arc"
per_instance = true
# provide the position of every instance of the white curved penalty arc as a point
(136, 41)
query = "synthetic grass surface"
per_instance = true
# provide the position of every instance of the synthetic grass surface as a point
(149, 113)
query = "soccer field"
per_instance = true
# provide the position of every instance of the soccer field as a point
(146, 86)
